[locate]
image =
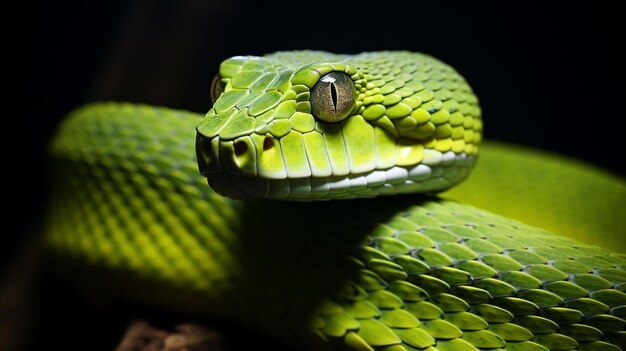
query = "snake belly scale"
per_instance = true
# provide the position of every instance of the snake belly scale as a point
(404, 271)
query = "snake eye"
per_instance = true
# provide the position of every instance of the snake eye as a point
(332, 97)
(216, 87)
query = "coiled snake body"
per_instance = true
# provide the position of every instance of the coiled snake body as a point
(403, 272)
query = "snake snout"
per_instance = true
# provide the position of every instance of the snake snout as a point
(207, 154)
(237, 168)
(237, 156)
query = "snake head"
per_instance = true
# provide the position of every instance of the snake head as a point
(313, 126)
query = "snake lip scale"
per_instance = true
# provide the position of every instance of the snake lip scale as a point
(395, 180)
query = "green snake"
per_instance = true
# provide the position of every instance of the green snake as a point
(396, 267)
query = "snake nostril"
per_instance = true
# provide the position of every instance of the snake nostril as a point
(268, 143)
(240, 148)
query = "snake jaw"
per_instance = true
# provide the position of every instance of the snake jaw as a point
(255, 166)
(431, 175)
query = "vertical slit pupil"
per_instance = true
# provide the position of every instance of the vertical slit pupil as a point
(333, 96)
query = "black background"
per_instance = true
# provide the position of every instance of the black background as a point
(549, 76)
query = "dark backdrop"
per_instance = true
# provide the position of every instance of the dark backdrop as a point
(550, 76)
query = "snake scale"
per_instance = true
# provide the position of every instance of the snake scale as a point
(406, 270)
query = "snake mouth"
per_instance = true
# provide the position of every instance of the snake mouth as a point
(223, 176)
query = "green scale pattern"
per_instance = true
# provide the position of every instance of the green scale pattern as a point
(128, 196)
(409, 109)
(446, 276)
(130, 213)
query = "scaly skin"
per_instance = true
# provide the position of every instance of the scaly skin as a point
(415, 127)
(130, 212)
